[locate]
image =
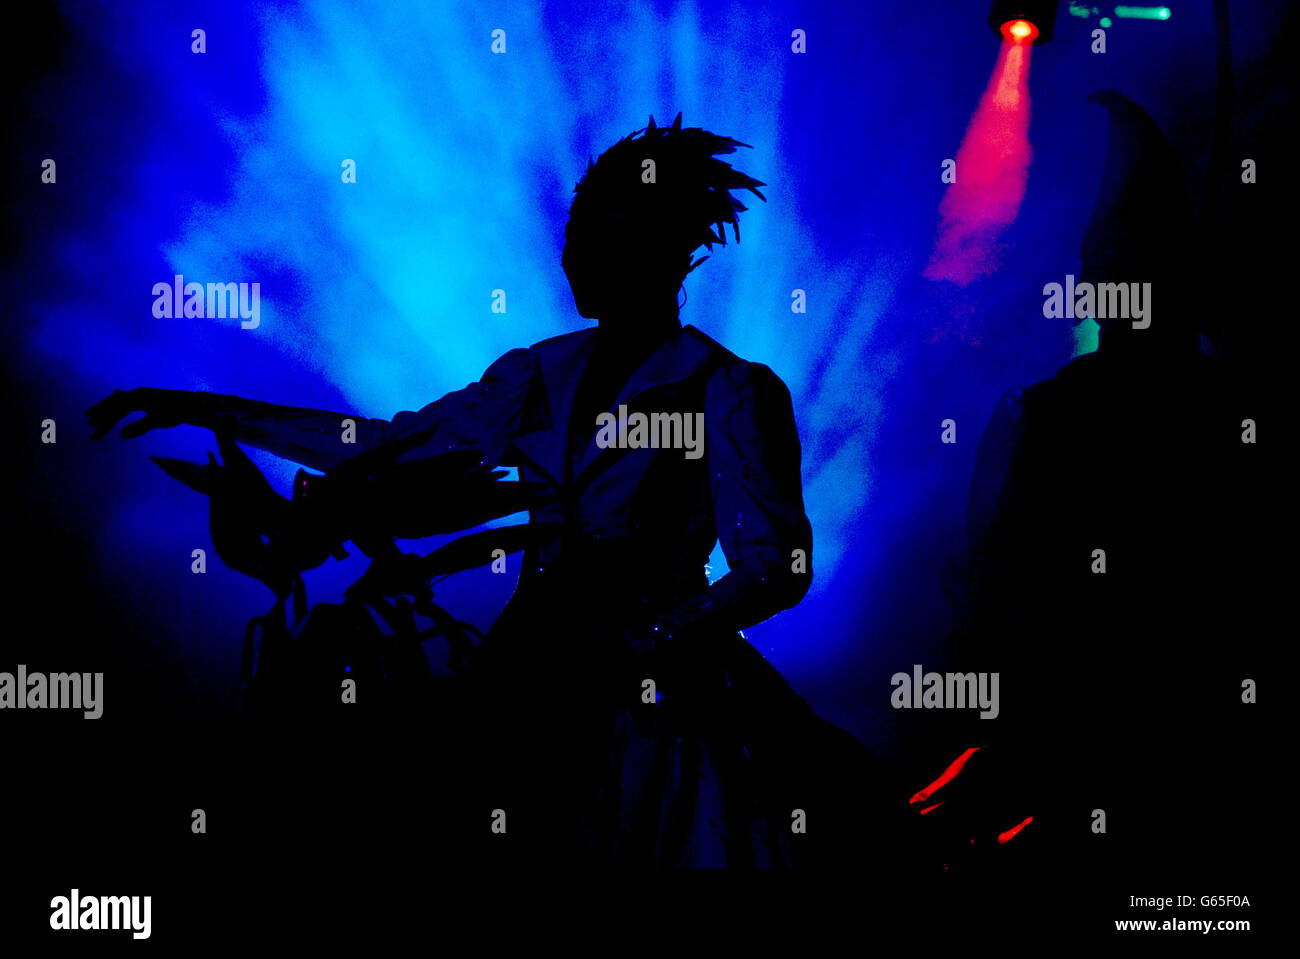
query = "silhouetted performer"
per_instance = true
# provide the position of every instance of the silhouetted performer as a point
(1121, 690)
(712, 774)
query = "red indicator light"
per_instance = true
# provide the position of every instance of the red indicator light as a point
(1019, 31)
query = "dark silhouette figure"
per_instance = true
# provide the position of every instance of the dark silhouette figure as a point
(1122, 689)
(563, 733)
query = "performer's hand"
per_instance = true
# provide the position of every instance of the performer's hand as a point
(161, 408)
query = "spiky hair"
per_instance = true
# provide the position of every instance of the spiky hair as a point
(690, 203)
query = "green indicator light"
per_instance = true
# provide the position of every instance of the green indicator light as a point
(1143, 13)
(1105, 21)
(1087, 335)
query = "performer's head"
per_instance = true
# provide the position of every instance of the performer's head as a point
(640, 212)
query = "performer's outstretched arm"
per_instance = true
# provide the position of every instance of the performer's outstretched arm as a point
(481, 415)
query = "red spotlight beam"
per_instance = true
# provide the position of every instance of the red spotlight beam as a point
(992, 169)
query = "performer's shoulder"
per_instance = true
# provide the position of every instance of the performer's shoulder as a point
(527, 360)
(565, 342)
(717, 354)
(734, 374)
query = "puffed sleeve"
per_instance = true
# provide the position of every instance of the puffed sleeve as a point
(753, 454)
(505, 402)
